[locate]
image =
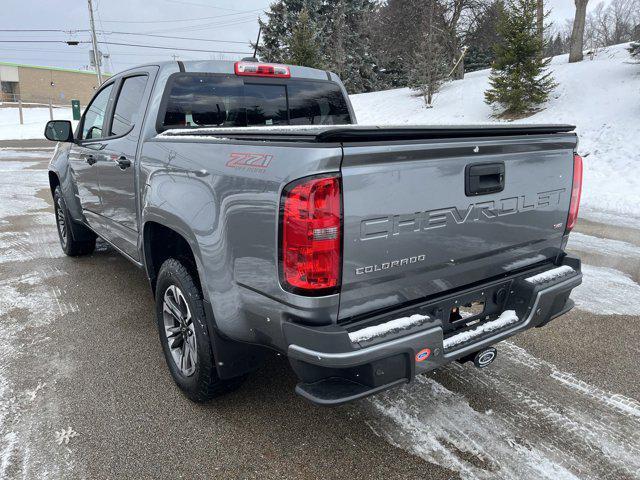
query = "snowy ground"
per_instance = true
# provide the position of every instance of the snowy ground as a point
(561, 402)
(554, 405)
(600, 96)
(34, 121)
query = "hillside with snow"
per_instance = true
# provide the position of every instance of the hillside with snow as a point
(600, 96)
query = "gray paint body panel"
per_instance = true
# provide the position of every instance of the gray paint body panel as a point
(406, 203)
(229, 215)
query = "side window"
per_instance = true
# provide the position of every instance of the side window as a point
(94, 116)
(128, 105)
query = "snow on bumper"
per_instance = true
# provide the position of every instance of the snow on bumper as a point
(553, 274)
(507, 318)
(395, 325)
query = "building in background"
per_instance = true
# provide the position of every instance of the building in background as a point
(37, 84)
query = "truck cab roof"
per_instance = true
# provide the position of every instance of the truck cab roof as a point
(228, 67)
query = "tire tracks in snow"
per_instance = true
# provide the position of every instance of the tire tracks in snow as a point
(29, 302)
(536, 421)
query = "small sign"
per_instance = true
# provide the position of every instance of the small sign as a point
(75, 108)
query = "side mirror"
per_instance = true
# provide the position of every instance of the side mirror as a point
(59, 131)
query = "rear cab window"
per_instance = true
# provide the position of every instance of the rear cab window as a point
(195, 100)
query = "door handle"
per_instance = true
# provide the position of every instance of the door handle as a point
(90, 159)
(124, 163)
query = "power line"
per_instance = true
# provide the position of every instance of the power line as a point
(174, 38)
(202, 5)
(185, 19)
(195, 28)
(43, 41)
(114, 32)
(171, 48)
(130, 45)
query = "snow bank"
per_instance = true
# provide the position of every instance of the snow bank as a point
(599, 96)
(34, 121)
(391, 326)
(550, 275)
(506, 318)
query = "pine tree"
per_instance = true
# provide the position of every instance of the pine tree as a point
(634, 48)
(304, 48)
(342, 33)
(482, 38)
(519, 81)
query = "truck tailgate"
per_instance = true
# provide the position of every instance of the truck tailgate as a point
(424, 217)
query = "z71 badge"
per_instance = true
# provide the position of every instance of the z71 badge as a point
(253, 161)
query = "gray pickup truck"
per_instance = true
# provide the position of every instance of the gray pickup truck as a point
(266, 219)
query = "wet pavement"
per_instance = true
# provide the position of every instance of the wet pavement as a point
(84, 391)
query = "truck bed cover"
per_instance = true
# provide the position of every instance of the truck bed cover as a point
(368, 133)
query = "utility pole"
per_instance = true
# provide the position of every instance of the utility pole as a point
(94, 41)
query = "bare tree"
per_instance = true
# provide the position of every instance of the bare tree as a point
(431, 60)
(613, 23)
(577, 34)
(460, 18)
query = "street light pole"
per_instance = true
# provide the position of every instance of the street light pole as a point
(94, 41)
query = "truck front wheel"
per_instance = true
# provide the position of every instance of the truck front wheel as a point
(65, 224)
(184, 336)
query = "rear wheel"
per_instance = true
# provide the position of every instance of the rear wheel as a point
(184, 335)
(65, 224)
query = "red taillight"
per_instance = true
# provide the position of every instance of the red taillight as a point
(311, 236)
(576, 191)
(253, 69)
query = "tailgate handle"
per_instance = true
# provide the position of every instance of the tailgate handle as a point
(484, 178)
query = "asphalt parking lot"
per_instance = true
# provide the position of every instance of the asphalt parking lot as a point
(84, 391)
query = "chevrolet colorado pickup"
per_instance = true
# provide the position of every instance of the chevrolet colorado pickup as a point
(266, 219)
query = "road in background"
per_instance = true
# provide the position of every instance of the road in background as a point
(84, 391)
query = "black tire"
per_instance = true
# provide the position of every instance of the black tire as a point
(203, 383)
(65, 224)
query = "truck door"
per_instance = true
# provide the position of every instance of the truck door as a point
(117, 166)
(84, 154)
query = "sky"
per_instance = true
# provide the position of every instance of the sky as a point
(200, 20)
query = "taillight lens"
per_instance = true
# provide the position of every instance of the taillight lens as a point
(576, 191)
(311, 236)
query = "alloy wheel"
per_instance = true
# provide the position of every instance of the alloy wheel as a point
(61, 221)
(179, 329)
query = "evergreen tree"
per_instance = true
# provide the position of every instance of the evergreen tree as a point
(275, 33)
(519, 81)
(342, 37)
(634, 48)
(483, 37)
(303, 45)
(348, 46)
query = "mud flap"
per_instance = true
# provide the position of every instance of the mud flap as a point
(232, 358)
